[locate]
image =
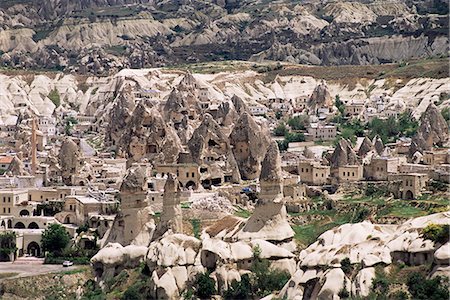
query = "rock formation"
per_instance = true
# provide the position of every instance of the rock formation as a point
(134, 224)
(17, 168)
(269, 220)
(148, 136)
(118, 116)
(321, 97)
(70, 160)
(308, 153)
(433, 131)
(211, 149)
(249, 146)
(365, 147)
(343, 155)
(378, 144)
(171, 216)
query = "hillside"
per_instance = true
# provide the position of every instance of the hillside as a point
(101, 37)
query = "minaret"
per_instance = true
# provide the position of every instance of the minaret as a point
(33, 146)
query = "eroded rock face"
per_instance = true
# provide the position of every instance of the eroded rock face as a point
(365, 147)
(320, 97)
(148, 136)
(17, 168)
(70, 160)
(171, 216)
(118, 116)
(249, 146)
(134, 181)
(343, 155)
(433, 131)
(269, 220)
(378, 144)
(211, 149)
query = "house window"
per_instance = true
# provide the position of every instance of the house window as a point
(353, 173)
(9, 210)
(187, 174)
(192, 175)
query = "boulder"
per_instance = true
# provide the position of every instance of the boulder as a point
(363, 281)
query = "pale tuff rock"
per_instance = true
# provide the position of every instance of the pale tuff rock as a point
(171, 216)
(227, 115)
(118, 116)
(343, 155)
(378, 144)
(269, 220)
(363, 282)
(239, 105)
(113, 258)
(433, 131)
(134, 181)
(208, 141)
(249, 146)
(365, 147)
(307, 153)
(17, 168)
(148, 136)
(333, 281)
(320, 97)
(70, 160)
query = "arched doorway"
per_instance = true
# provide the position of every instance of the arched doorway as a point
(69, 219)
(190, 185)
(33, 249)
(3, 224)
(9, 224)
(19, 225)
(24, 213)
(409, 195)
(33, 225)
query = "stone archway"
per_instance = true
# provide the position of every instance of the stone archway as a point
(33, 225)
(19, 225)
(409, 195)
(191, 184)
(34, 249)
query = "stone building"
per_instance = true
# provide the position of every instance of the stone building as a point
(187, 174)
(380, 167)
(436, 157)
(353, 108)
(412, 185)
(349, 173)
(312, 172)
(319, 132)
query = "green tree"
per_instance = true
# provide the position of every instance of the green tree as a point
(205, 286)
(55, 238)
(428, 289)
(446, 114)
(299, 122)
(280, 130)
(339, 105)
(346, 266)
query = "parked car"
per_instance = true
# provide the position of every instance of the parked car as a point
(67, 263)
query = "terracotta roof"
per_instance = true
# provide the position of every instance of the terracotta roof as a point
(6, 159)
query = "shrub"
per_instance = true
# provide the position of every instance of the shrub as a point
(380, 284)
(205, 286)
(196, 227)
(427, 289)
(438, 233)
(54, 97)
(280, 130)
(239, 290)
(294, 137)
(132, 293)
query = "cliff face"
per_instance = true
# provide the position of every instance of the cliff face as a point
(98, 36)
